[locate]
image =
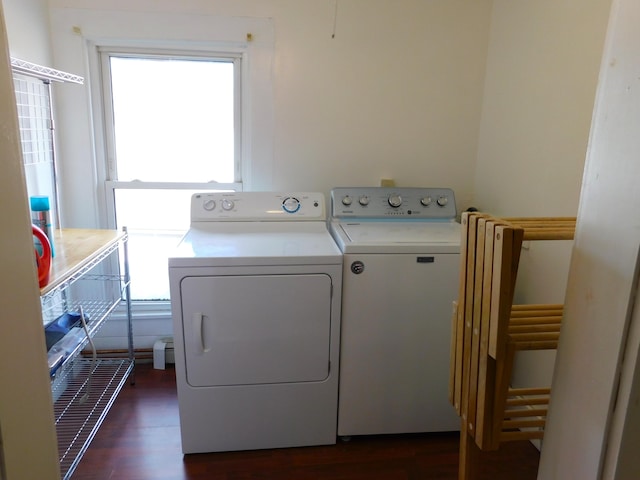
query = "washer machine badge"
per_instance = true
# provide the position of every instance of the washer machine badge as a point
(357, 267)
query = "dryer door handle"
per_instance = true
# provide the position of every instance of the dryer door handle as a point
(198, 332)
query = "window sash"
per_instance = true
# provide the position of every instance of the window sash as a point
(105, 54)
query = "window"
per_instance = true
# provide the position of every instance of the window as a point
(173, 127)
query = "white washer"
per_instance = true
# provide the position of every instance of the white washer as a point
(401, 251)
(256, 292)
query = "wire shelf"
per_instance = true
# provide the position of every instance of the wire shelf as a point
(85, 394)
(83, 271)
(39, 71)
(88, 280)
(98, 295)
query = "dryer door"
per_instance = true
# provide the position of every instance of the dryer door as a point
(256, 329)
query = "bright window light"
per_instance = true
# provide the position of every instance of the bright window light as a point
(173, 119)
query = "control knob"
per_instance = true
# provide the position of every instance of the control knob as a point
(291, 205)
(363, 200)
(395, 200)
(346, 200)
(227, 204)
(426, 201)
(442, 200)
(209, 205)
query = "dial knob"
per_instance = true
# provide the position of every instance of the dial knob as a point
(346, 200)
(442, 200)
(209, 205)
(291, 205)
(395, 200)
(363, 200)
(426, 201)
(228, 204)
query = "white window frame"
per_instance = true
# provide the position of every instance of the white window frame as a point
(111, 182)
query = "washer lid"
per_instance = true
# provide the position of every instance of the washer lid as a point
(394, 237)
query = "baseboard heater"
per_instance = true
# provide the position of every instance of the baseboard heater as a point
(163, 353)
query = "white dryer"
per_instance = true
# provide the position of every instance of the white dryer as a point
(401, 251)
(256, 293)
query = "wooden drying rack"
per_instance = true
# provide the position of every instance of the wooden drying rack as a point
(488, 330)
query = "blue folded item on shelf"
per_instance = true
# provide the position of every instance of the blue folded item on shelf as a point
(60, 327)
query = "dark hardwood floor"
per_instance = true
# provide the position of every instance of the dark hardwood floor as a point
(140, 440)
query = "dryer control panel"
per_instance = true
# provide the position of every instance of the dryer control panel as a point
(257, 206)
(393, 202)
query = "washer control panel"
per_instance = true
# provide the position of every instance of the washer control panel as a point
(393, 202)
(257, 206)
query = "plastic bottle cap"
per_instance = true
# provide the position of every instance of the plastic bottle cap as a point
(40, 203)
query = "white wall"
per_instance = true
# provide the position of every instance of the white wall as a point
(396, 94)
(541, 78)
(28, 442)
(28, 30)
(539, 91)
